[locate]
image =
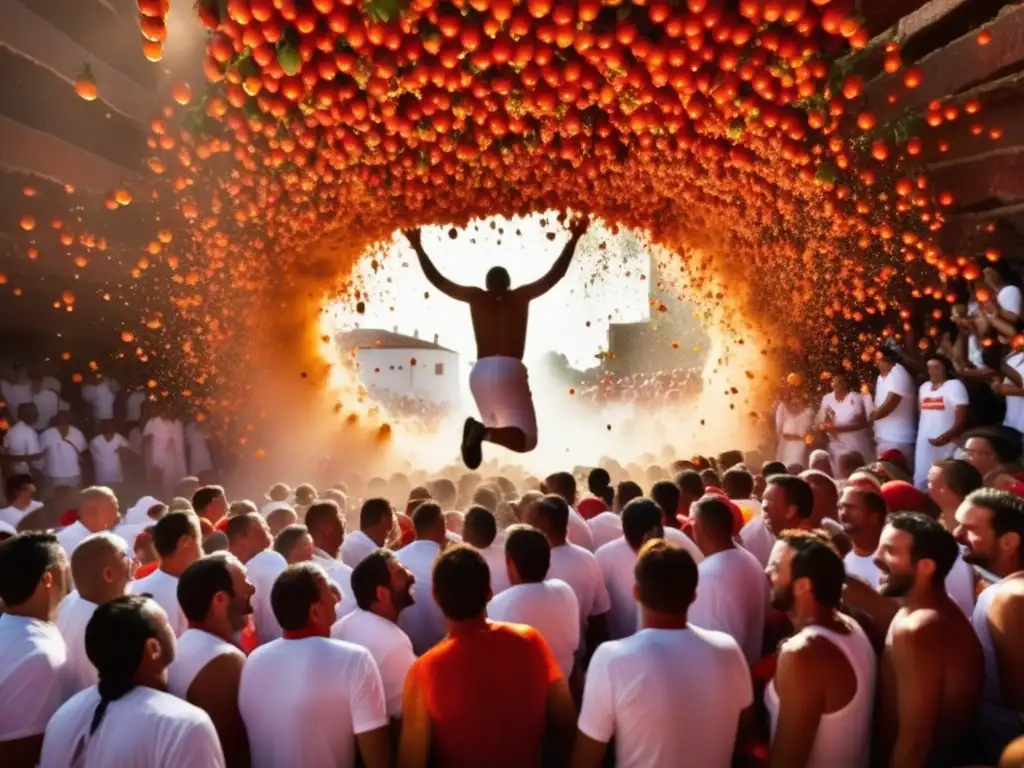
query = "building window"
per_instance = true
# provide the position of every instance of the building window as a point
(439, 369)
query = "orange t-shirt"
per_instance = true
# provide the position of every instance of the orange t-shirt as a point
(486, 692)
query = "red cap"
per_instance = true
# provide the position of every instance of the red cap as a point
(895, 457)
(591, 507)
(69, 518)
(901, 496)
(406, 529)
(738, 521)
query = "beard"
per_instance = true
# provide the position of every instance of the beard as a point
(240, 610)
(402, 598)
(971, 557)
(782, 599)
(895, 584)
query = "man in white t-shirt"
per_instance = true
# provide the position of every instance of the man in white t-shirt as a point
(564, 484)
(382, 589)
(107, 450)
(547, 605)
(326, 525)
(164, 449)
(216, 598)
(22, 451)
(101, 394)
(307, 699)
(128, 719)
(47, 402)
(641, 520)
(63, 446)
(178, 543)
(249, 540)
(19, 490)
(672, 693)
(733, 592)
(895, 414)
(376, 519)
(423, 621)
(16, 393)
(575, 566)
(101, 570)
(33, 655)
(862, 514)
(480, 531)
(98, 510)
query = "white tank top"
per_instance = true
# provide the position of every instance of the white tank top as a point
(843, 739)
(991, 708)
(196, 649)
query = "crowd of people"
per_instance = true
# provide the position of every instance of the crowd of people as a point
(643, 392)
(704, 612)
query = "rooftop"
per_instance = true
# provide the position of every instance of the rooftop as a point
(366, 338)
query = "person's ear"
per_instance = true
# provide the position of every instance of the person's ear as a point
(152, 650)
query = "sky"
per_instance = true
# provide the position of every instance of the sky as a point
(602, 286)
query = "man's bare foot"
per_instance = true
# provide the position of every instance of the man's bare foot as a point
(472, 443)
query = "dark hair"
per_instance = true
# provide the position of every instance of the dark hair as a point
(427, 517)
(1005, 442)
(738, 483)
(640, 518)
(444, 491)
(497, 279)
(798, 493)
(598, 480)
(689, 482)
(373, 512)
(961, 476)
(485, 497)
(555, 510)
(1007, 512)
(320, 513)
(238, 526)
(561, 484)
(710, 477)
(944, 361)
(626, 491)
(201, 581)
(462, 583)
(115, 640)
(528, 549)
(715, 515)
(773, 468)
(816, 558)
(666, 495)
(15, 484)
(23, 561)
(371, 573)
(666, 577)
(873, 502)
(288, 538)
(295, 591)
(930, 542)
(170, 529)
(205, 496)
(479, 526)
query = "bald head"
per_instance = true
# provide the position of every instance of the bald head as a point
(98, 509)
(280, 519)
(100, 567)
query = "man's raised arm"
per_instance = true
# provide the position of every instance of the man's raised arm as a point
(561, 265)
(439, 281)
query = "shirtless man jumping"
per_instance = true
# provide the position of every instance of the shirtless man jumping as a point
(499, 381)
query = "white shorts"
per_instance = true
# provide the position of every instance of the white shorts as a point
(501, 388)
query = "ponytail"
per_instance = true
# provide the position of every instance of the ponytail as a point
(109, 690)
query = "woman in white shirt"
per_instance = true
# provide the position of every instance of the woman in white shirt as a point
(793, 421)
(942, 407)
(843, 418)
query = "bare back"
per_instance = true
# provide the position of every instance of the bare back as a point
(934, 655)
(499, 322)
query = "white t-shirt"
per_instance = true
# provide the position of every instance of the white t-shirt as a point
(71, 536)
(669, 697)
(617, 560)
(551, 608)
(168, 448)
(16, 395)
(678, 538)
(357, 545)
(263, 570)
(900, 426)
(422, 621)
(199, 459)
(73, 615)
(21, 440)
(145, 727)
(61, 452)
(844, 413)
(494, 555)
(579, 531)
(390, 647)
(580, 570)
(12, 515)
(1009, 298)
(341, 575)
(605, 527)
(304, 701)
(758, 540)
(47, 404)
(938, 407)
(732, 597)
(196, 648)
(862, 567)
(164, 589)
(789, 423)
(101, 397)
(106, 459)
(33, 675)
(1015, 405)
(133, 406)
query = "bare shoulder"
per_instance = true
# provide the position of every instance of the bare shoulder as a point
(922, 629)
(808, 654)
(1009, 595)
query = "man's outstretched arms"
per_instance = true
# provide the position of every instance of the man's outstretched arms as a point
(539, 287)
(439, 281)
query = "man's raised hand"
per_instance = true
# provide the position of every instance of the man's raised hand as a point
(413, 236)
(578, 226)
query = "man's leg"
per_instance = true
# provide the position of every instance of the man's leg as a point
(512, 438)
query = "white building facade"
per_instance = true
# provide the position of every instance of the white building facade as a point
(403, 366)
